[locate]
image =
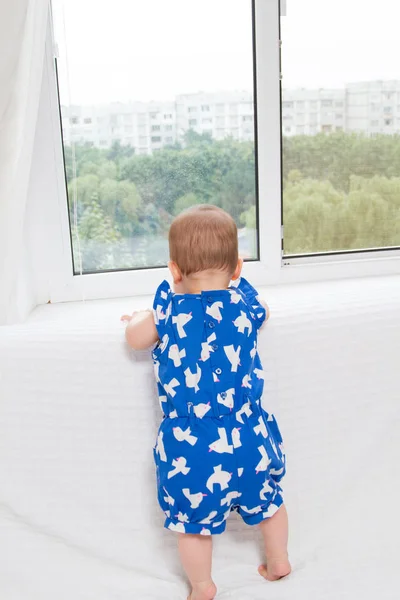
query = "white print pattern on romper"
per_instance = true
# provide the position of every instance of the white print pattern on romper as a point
(178, 527)
(164, 342)
(265, 460)
(259, 373)
(230, 497)
(169, 387)
(160, 447)
(252, 511)
(236, 437)
(253, 351)
(180, 467)
(182, 517)
(184, 435)
(245, 410)
(261, 428)
(194, 499)
(206, 347)
(221, 446)
(227, 400)
(243, 322)
(175, 355)
(266, 489)
(180, 321)
(219, 477)
(214, 310)
(246, 381)
(209, 519)
(235, 297)
(233, 356)
(226, 515)
(168, 499)
(201, 409)
(192, 379)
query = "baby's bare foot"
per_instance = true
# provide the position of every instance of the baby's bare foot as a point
(275, 569)
(204, 592)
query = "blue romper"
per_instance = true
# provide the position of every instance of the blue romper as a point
(217, 450)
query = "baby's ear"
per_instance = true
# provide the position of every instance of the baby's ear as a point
(238, 270)
(175, 272)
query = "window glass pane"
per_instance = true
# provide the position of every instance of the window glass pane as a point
(341, 125)
(141, 143)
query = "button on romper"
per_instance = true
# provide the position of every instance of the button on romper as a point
(217, 450)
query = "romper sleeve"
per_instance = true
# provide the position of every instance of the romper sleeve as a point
(251, 298)
(162, 306)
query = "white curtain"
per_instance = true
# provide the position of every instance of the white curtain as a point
(22, 45)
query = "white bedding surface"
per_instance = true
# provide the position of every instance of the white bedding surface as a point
(78, 415)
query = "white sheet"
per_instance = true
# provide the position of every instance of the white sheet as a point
(78, 415)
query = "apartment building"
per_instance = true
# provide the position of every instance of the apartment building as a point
(371, 107)
(307, 112)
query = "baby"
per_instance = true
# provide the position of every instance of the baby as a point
(217, 449)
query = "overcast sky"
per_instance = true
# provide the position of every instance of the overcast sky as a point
(120, 50)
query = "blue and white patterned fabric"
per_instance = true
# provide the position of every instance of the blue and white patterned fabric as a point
(217, 449)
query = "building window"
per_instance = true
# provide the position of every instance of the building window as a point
(168, 128)
(87, 120)
(205, 108)
(169, 140)
(192, 109)
(206, 121)
(287, 104)
(247, 118)
(156, 139)
(220, 108)
(153, 116)
(192, 122)
(103, 143)
(336, 199)
(168, 116)
(74, 120)
(156, 128)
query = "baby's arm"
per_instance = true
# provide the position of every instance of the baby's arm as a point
(141, 332)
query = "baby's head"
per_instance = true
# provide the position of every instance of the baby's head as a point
(203, 247)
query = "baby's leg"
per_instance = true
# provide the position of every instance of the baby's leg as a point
(196, 556)
(275, 534)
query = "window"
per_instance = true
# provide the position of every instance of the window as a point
(87, 120)
(74, 120)
(220, 108)
(247, 118)
(120, 207)
(337, 198)
(287, 104)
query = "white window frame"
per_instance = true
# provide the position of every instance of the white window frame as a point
(272, 268)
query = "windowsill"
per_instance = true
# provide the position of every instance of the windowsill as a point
(311, 299)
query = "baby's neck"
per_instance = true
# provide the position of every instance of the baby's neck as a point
(202, 282)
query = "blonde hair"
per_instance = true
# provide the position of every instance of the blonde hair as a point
(204, 237)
